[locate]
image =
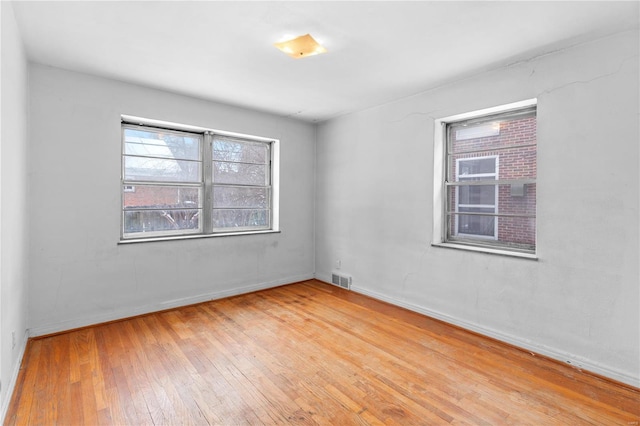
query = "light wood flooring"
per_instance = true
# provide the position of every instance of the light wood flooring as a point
(307, 353)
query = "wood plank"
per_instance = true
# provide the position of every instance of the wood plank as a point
(307, 353)
(26, 383)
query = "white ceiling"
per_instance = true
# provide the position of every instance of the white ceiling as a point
(378, 51)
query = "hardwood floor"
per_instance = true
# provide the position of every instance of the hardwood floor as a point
(307, 353)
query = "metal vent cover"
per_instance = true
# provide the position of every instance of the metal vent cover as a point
(340, 280)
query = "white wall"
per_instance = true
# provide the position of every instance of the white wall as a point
(580, 301)
(13, 204)
(80, 275)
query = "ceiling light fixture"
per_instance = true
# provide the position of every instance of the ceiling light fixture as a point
(301, 47)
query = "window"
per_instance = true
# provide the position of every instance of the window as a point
(180, 181)
(485, 180)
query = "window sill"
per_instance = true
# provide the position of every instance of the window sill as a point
(487, 250)
(194, 237)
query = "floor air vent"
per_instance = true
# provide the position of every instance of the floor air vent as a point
(341, 280)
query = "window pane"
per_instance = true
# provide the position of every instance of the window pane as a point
(240, 196)
(156, 197)
(479, 166)
(512, 199)
(163, 170)
(240, 151)
(472, 196)
(517, 232)
(476, 225)
(147, 221)
(240, 218)
(240, 174)
(476, 131)
(512, 163)
(511, 202)
(511, 232)
(477, 194)
(163, 144)
(482, 136)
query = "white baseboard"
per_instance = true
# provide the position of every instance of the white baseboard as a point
(570, 359)
(554, 353)
(10, 387)
(160, 306)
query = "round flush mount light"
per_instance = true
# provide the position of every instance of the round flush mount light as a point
(301, 47)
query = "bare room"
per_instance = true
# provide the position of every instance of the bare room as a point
(320, 213)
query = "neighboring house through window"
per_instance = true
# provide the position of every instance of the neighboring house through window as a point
(182, 181)
(485, 171)
(476, 198)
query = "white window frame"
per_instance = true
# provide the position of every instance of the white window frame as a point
(439, 225)
(206, 225)
(494, 206)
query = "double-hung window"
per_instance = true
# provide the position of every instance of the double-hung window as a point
(485, 170)
(181, 181)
